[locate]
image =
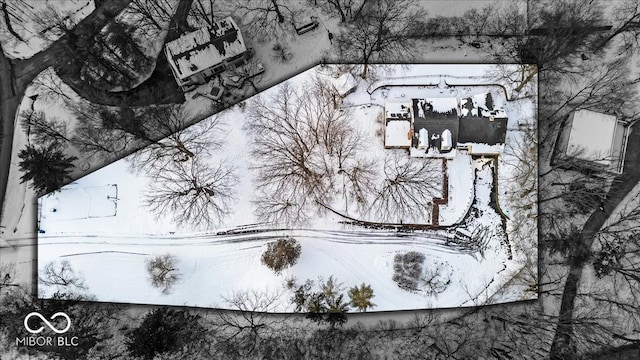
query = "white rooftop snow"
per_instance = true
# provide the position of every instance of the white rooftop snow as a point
(397, 110)
(196, 60)
(443, 105)
(483, 148)
(344, 84)
(397, 134)
(591, 136)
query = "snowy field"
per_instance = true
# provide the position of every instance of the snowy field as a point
(31, 20)
(101, 227)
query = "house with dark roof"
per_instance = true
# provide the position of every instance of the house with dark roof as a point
(438, 126)
(482, 128)
(435, 122)
(197, 56)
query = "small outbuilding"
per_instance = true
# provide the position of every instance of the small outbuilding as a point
(593, 140)
(398, 130)
(345, 84)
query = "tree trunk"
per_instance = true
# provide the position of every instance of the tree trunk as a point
(276, 8)
(7, 20)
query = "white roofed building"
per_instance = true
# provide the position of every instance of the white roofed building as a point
(593, 140)
(398, 126)
(345, 84)
(197, 56)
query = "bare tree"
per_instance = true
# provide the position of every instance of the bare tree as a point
(281, 52)
(408, 188)
(554, 34)
(162, 272)
(202, 13)
(152, 16)
(164, 130)
(251, 321)
(53, 22)
(7, 274)
(436, 278)
(97, 136)
(177, 142)
(626, 17)
(250, 73)
(382, 34)
(347, 10)
(192, 193)
(44, 129)
(303, 142)
(267, 19)
(51, 87)
(61, 276)
(9, 12)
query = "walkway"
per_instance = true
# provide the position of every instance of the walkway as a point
(622, 186)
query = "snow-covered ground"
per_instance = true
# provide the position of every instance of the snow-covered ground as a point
(35, 22)
(99, 225)
(461, 192)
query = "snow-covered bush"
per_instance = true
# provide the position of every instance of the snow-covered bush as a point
(163, 272)
(281, 52)
(411, 274)
(437, 278)
(281, 254)
(407, 270)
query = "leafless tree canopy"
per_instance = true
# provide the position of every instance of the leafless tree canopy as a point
(96, 140)
(180, 143)
(267, 19)
(43, 128)
(408, 187)
(203, 13)
(555, 33)
(61, 275)
(153, 16)
(346, 10)
(382, 34)
(163, 272)
(248, 73)
(307, 151)
(250, 323)
(192, 193)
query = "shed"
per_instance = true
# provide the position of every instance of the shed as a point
(345, 84)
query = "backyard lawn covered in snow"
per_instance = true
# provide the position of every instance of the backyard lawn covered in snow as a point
(300, 162)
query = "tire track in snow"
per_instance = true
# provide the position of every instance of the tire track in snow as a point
(346, 238)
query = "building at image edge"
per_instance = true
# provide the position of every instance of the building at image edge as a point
(196, 57)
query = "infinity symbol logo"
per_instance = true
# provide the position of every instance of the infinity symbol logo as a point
(39, 330)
